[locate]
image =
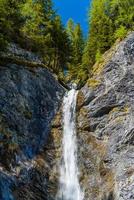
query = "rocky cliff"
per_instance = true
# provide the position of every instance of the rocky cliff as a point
(30, 97)
(106, 126)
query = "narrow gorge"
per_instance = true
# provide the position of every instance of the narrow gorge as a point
(67, 145)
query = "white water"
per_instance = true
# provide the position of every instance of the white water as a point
(69, 183)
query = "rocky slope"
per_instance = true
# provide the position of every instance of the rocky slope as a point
(106, 126)
(29, 99)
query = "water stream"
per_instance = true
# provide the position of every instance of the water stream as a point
(69, 182)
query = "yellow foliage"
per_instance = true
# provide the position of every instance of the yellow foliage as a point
(93, 83)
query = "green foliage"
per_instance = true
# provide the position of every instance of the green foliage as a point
(60, 43)
(98, 56)
(70, 28)
(75, 35)
(33, 29)
(108, 21)
(77, 42)
(5, 23)
(100, 35)
(10, 21)
(122, 12)
(120, 33)
(36, 27)
(45, 33)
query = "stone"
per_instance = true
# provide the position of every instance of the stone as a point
(109, 119)
(29, 100)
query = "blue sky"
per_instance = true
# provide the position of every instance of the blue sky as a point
(75, 9)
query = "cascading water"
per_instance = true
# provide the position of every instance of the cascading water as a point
(69, 183)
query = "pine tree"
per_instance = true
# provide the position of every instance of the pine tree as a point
(122, 12)
(70, 28)
(5, 23)
(60, 49)
(32, 28)
(10, 21)
(100, 34)
(78, 43)
(75, 34)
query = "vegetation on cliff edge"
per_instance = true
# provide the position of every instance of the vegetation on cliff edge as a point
(36, 26)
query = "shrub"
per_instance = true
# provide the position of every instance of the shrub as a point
(98, 56)
(120, 33)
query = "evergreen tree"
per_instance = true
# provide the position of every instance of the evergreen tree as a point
(45, 33)
(35, 26)
(70, 28)
(122, 12)
(101, 32)
(108, 20)
(34, 23)
(5, 23)
(75, 34)
(60, 48)
(10, 21)
(77, 42)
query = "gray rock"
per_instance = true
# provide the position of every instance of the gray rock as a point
(29, 100)
(109, 124)
(17, 51)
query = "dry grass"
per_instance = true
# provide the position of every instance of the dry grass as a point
(93, 83)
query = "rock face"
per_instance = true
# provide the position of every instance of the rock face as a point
(29, 100)
(106, 126)
(30, 155)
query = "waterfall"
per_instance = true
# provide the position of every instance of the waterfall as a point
(69, 182)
